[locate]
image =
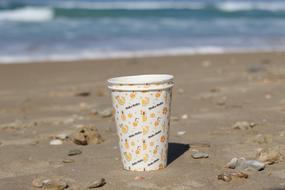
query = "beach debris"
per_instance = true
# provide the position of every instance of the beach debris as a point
(225, 177)
(139, 178)
(61, 136)
(180, 133)
(268, 156)
(106, 112)
(74, 152)
(87, 135)
(49, 184)
(56, 142)
(199, 155)
(83, 94)
(243, 125)
(97, 183)
(174, 118)
(184, 116)
(68, 160)
(243, 164)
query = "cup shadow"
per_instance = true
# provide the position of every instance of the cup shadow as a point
(175, 150)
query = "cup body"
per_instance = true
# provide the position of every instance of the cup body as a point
(142, 106)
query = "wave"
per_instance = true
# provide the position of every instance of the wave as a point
(27, 14)
(93, 55)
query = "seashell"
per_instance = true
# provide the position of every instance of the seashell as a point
(243, 125)
(56, 142)
(54, 184)
(67, 160)
(180, 133)
(185, 116)
(199, 155)
(97, 183)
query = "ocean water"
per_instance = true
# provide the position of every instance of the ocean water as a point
(39, 30)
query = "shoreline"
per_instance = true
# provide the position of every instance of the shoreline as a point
(143, 56)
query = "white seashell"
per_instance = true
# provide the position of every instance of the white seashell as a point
(185, 116)
(181, 133)
(56, 142)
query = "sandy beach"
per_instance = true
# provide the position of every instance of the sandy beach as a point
(39, 101)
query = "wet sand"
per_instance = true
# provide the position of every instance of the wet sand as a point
(37, 102)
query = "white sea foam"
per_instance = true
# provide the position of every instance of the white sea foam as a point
(248, 6)
(27, 14)
(88, 55)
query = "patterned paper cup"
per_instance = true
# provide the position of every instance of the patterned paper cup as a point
(142, 106)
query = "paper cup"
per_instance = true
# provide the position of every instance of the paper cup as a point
(142, 113)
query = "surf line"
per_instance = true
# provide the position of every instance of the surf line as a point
(150, 136)
(152, 107)
(135, 134)
(135, 163)
(131, 106)
(153, 162)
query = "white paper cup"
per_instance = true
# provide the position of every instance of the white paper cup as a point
(142, 106)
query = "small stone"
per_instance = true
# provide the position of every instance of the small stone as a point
(97, 183)
(74, 152)
(56, 142)
(180, 133)
(233, 163)
(139, 178)
(243, 125)
(87, 135)
(68, 160)
(225, 177)
(184, 116)
(199, 155)
(268, 156)
(54, 184)
(83, 94)
(107, 112)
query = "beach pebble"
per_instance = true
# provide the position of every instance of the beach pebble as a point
(139, 178)
(56, 142)
(184, 116)
(74, 152)
(68, 160)
(180, 133)
(199, 155)
(269, 156)
(243, 125)
(106, 112)
(54, 184)
(87, 135)
(225, 177)
(97, 183)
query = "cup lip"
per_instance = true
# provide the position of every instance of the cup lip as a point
(141, 79)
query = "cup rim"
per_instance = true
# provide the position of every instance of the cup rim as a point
(141, 79)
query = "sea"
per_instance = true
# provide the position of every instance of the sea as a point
(64, 30)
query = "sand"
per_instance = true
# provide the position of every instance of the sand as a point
(37, 102)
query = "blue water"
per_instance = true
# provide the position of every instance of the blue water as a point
(38, 30)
